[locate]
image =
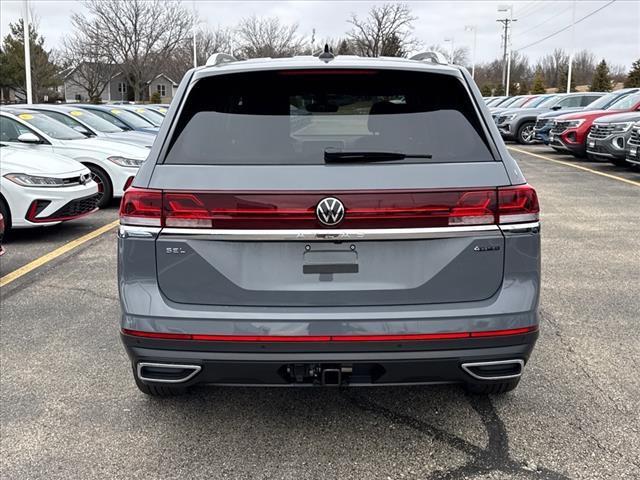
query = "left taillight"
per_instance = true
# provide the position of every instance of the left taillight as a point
(141, 206)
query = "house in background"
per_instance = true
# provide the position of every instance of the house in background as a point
(164, 86)
(11, 95)
(118, 88)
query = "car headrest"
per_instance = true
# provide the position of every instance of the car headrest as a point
(375, 122)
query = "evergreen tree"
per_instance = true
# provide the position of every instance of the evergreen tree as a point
(564, 76)
(43, 71)
(601, 80)
(523, 88)
(393, 47)
(344, 48)
(538, 83)
(633, 79)
(499, 91)
(485, 90)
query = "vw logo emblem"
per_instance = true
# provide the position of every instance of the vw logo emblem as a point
(330, 211)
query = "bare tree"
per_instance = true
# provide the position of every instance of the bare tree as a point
(618, 72)
(213, 41)
(89, 67)
(460, 54)
(584, 66)
(268, 37)
(490, 74)
(552, 67)
(138, 35)
(387, 30)
(208, 42)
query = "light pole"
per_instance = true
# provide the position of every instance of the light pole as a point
(27, 52)
(195, 49)
(573, 46)
(507, 41)
(452, 40)
(474, 29)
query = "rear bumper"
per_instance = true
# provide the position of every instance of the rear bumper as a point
(367, 364)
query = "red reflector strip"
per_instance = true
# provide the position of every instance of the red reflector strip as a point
(315, 71)
(500, 333)
(328, 338)
(287, 210)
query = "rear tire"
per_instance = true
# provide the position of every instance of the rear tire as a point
(526, 135)
(620, 162)
(104, 185)
(491, 388)
(157, 390)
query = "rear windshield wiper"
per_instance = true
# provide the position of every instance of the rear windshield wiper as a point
(355, 157)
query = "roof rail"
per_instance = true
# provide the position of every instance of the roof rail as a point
(431, 56)
(220, 58)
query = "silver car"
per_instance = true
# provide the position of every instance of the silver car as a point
(387, 239)
(519, 123)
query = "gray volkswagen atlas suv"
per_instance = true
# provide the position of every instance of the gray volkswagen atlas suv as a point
(328, 221)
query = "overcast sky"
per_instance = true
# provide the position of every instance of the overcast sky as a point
(612, 33)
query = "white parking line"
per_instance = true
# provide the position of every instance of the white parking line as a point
(46, 258)
(579, 167)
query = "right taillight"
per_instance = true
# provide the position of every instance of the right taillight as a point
(141, 206)
(518, 204)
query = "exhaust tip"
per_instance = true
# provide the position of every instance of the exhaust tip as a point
(166, 372)
(495, 370)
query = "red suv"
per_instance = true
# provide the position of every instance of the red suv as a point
(569, 132)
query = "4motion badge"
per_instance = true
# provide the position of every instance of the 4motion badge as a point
(486, 248)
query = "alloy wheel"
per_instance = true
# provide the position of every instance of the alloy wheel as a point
(528, 134)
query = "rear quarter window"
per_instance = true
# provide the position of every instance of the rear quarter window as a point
(294, 116)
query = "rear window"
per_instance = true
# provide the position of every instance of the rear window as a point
(295, 116)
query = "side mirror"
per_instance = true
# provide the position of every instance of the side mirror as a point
(28, 138)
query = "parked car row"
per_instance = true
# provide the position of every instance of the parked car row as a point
(61, 162)
(600, 126)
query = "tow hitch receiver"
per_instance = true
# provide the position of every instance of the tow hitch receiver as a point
(318, 374)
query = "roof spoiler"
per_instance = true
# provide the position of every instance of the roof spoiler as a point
(220, 58)
(430, 56)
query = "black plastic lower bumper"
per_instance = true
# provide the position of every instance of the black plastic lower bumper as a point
(604, 149)
(388, 363)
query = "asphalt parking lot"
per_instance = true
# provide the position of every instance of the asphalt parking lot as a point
(70, 408)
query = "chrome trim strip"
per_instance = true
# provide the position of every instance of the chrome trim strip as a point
(521, 227)
(467, 368)
(196, 369)
(330, 234)
(125, 231)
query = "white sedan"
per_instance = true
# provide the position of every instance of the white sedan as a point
(91, 125)
(112, 164)
(40, 189)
